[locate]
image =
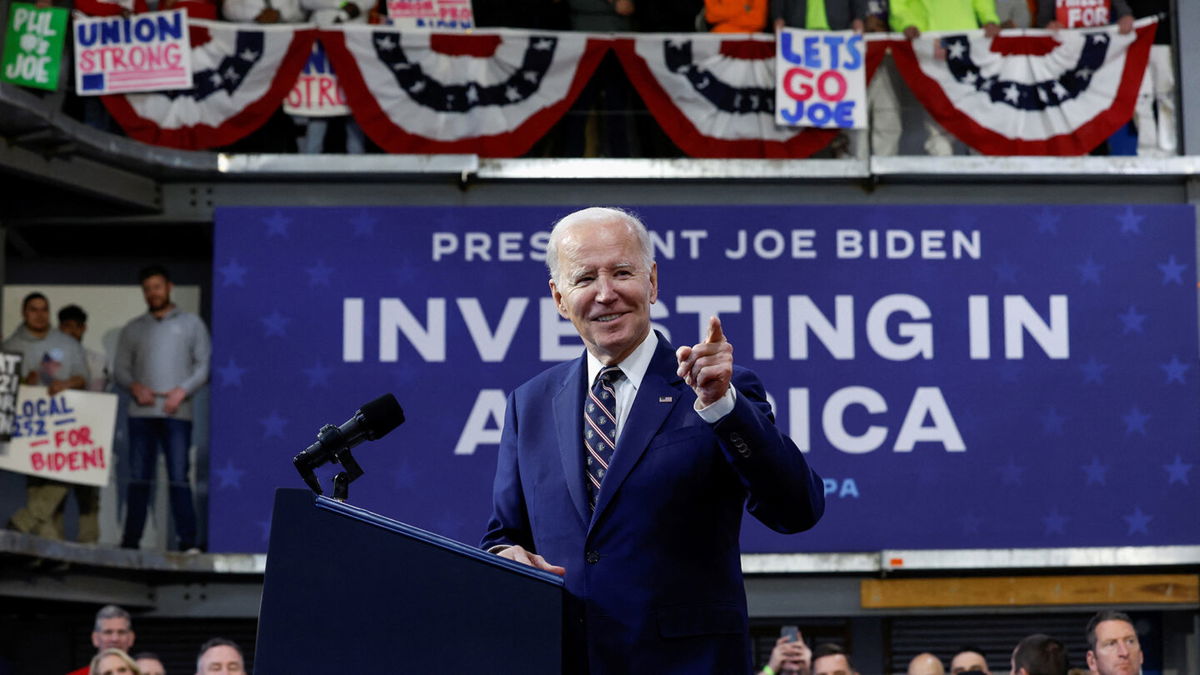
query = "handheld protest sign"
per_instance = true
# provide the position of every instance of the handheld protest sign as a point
(820, 79)
(33, 46)
(67, 437)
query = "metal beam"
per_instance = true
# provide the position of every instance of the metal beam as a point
(79, 175)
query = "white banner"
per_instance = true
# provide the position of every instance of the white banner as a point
(67, 437)
(820, 79)
(139, 52)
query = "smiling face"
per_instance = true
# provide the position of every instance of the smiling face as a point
(1117, 650)
(604, 286)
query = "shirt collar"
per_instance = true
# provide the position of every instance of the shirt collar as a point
(171, 312)
(634, 366)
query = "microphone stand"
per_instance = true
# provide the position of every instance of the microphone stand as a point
(330, 446)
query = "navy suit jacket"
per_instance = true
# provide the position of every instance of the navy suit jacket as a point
(654, 575)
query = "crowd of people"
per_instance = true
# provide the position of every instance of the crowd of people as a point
(1113, 649)
(608, 118)
(162, 360)
(113, 637)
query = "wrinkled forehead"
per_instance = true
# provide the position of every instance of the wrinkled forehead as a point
(599, 242)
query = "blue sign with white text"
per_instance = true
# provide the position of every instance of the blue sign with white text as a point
(962, 376)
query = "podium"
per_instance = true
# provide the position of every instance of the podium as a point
(349, 591)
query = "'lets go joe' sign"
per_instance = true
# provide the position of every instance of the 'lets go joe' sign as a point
(66, 437)
(820, 79)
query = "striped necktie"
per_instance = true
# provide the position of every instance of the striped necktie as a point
(600, 429)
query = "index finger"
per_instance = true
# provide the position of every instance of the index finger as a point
(715, 334)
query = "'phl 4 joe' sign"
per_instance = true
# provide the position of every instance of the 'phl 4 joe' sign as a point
(33, 45)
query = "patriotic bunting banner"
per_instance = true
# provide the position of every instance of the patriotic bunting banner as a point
(715, 95)
(489, 93)
(495, 93)
(1042, 93)
(240, 75)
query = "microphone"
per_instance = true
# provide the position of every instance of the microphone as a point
(372, 421)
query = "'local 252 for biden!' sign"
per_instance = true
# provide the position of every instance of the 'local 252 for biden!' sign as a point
(140, 52)
(67, 436)
(820, 79)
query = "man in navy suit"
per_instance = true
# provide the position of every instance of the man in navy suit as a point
(647, 537)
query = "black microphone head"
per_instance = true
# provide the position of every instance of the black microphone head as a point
(381, 416)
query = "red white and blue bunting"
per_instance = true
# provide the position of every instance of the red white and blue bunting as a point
(240, 75)
(714, 94)
(1041, 93)
(491, 93)
(495, 93)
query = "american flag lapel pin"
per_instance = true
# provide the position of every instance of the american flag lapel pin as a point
(665, 399)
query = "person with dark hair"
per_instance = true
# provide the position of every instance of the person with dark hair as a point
(52, 359)
(1039, 654)
(969, 659)
(220, 655)
(149, 663)
(1113, 646)
(72, 320)
(162, 359)
(831, 659)
(111, 630)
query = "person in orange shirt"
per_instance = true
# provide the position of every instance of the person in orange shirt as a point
(735, 16)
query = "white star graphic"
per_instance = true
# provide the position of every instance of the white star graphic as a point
(957, 50)
(1012, 93)
(512, 94)
(971, 77)
(248, 54)
(232, 75)
(401, 66)
(472, 94)
(1042, 95)
(544, 44)
(386, 43)
(530, 76)
(417, 87)
(702, 83)
(1099, 38)
(216, 79)
(1060, 91)
(1083, 73)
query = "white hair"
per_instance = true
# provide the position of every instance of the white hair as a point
(596, 214)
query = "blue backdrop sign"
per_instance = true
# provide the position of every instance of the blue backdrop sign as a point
(974, 376)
